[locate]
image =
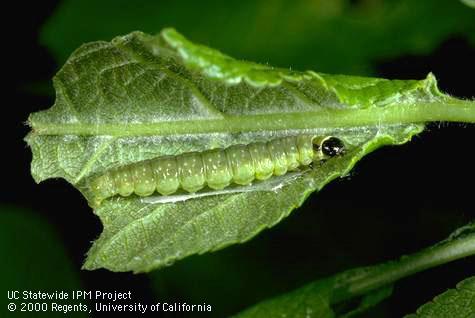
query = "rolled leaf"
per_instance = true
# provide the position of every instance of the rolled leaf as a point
(140, 97)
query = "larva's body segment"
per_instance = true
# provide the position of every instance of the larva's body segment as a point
(191, 171)
(291, 153)
(216, 168)
(306, 151)
(278, 156)
(166, 175)
(240, 161)
(124, 181)
(144, 182)
(263, 165)
(103, 187)
(218, 173)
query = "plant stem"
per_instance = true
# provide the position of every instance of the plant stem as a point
(388, 273)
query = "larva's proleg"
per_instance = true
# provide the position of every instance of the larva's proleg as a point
(166, 175)
(261, 158)
(217, 170)
(191, 171)
(241, 164)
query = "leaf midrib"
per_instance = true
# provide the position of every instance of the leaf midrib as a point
(449, 110)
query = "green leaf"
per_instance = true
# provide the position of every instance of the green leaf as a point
(470, 3)
(454, 303)
(140, 96)
(350, 293)
(336, 36)
(146, 236)
(33, 259)
(315, 300)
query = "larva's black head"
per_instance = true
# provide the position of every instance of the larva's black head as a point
(326, 147)
(332, 147)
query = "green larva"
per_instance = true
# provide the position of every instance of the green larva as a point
(216, 168)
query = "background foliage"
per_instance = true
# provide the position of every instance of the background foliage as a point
(397, 201)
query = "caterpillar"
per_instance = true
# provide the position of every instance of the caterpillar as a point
(216, 168)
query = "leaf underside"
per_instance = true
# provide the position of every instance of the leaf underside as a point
(140, 96)
(315, 300)
(352, 292)
(454, 303)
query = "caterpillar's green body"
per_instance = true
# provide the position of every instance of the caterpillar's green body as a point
(216, 168)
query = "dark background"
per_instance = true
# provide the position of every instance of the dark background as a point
(396, 201)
